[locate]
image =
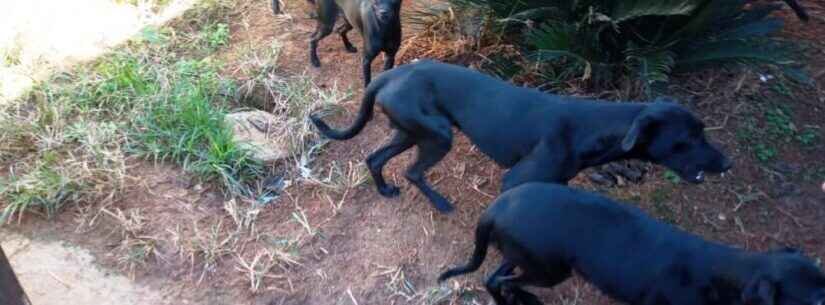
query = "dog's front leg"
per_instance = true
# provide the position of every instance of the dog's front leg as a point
(548, 162)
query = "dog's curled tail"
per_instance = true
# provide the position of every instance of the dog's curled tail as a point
(485, 226)
(364, 114)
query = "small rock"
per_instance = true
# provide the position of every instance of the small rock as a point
(627, 171)
(260, 132)
(823, 186)
(787, 168)
(602, 179)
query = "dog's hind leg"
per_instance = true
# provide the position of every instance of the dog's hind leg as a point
(506, 281)
(493, 285)
(321, 31)
(327, 13)
(400, 142)
(434, 138)
(343, 30)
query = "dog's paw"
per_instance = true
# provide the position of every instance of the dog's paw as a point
(351, 49)
(389, 191)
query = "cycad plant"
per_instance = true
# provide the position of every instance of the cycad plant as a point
(603, 40)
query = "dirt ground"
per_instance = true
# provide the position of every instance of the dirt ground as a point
(53, 272)
(360, 248)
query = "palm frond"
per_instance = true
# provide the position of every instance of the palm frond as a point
(652, 68)
(630, 9)
(735, 51)
(758, 28)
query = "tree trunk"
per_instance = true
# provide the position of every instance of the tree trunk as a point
(11, 293)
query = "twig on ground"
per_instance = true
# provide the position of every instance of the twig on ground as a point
(794, 218)
(351, 297)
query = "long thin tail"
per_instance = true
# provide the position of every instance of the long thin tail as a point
(364, 114)
(798, 9)
(485, 226)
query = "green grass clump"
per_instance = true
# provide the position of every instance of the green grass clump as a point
(216, 35)
(69, 139)
(44, 187)
(187, 126)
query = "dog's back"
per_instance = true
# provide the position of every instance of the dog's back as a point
(592, 234)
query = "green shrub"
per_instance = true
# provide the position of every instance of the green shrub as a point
(602, 41)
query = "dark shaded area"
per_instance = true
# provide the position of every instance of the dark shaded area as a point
(11, 293)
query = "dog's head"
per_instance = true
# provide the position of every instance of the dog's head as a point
(668, 134)
(386, 10)
(787, 278)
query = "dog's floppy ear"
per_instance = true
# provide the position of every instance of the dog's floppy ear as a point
(760, 291)
(637, 129)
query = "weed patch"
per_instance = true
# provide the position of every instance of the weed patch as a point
(185, 125)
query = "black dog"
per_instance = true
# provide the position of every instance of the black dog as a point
(550, 230)
(378, 21)
(541, 137)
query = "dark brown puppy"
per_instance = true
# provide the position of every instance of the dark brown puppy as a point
(378, 21)
(548, 231)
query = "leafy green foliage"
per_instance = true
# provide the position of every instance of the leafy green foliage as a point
(43, 188)
(187, 126)
(600, 40)
(672, 177)
(216, 35)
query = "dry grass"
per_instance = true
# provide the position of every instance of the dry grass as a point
(206, 247)
(269, 269)
(57, 157)
(437, 33)
(136, 248)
